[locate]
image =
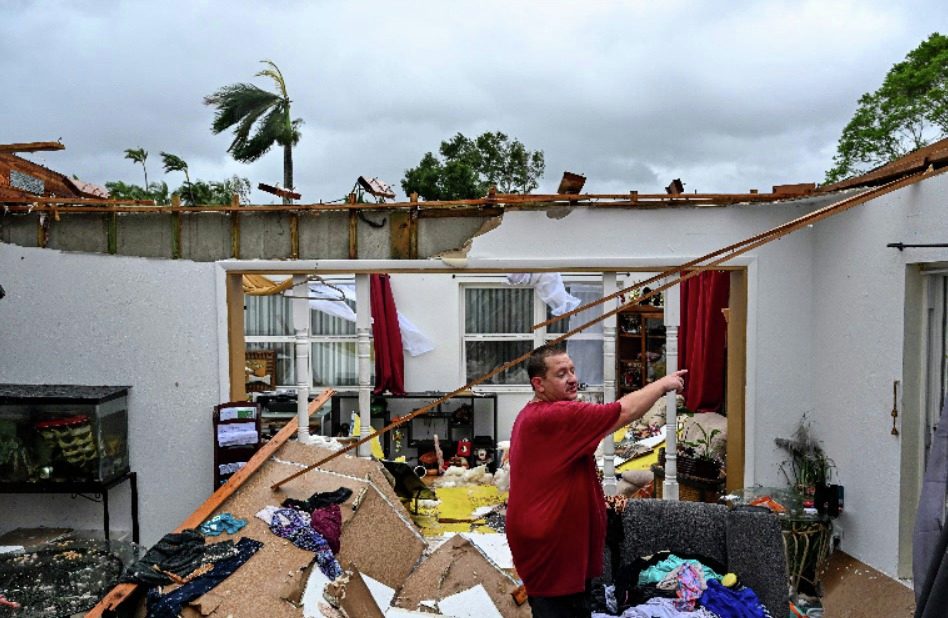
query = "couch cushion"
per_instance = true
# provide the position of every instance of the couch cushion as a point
(686, 527)
(755, 552)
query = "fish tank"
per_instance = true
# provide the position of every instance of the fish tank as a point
(63, 433)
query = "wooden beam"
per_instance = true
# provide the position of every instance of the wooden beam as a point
(112, 233)
(42, 230)
(734, 402)
(284, 193)
(294, 236)
(353, 229)
(399, 235)
(111, 601)
(176, 227)
(235, 337)
(31, 147)
(235, 227)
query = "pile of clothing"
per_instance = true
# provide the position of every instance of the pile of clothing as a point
(668, 585)
(188, 565)
(314, 524)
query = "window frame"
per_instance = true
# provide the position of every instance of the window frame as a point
(536, 338)
(289, 381)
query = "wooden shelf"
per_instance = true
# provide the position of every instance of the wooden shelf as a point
(633, 350)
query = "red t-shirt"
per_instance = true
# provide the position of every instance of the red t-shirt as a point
(556, 514)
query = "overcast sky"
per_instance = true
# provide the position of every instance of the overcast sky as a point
(727, 96)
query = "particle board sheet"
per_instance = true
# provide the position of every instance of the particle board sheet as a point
(258, 587)
(454, 567)
(379, 542)
(344, 464)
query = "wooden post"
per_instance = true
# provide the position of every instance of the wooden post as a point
(42, 230)
(235, 227)
(736, 378)
(112, 233)
(353, 229)
(176, 229)
(413, 227)
(295, 236)
(235, 337)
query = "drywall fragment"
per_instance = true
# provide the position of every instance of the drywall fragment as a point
(382, 594)
(471, 603)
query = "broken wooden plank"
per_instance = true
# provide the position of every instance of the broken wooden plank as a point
(31, 146)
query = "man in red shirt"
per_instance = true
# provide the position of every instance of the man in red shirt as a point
(556, 516)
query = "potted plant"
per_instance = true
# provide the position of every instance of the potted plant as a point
(697, 458)
(806, 466)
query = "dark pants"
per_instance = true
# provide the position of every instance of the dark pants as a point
(567, 606)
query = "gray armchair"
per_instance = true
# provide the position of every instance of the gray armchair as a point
(748, 543)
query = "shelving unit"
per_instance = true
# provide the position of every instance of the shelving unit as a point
(472, 417)
(243, 416)
(640, 347)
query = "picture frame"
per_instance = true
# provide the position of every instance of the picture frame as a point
(260, 370)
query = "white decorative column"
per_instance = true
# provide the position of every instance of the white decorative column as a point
(672, 321)
(608, 446)
(364, 355)
(301, 327)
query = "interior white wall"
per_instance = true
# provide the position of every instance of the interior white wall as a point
(780, 314)
(432, 302)
(859, 296)
(72, 318)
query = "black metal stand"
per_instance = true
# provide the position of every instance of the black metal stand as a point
(83, 487)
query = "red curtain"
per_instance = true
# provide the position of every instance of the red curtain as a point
(389, 359)
(702, 339)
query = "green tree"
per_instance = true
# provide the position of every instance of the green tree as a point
(156, 192)
(174, 163)
(213, 192)
(908, 111)
(260, 120)
(467, 168)
(138, 155)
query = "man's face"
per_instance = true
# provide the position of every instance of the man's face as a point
(559, 383)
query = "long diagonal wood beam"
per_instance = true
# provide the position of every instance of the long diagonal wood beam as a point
(747, 244)
(684, 272)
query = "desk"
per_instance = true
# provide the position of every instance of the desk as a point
(83, 487)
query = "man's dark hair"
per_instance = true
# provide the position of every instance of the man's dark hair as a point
(536, 364)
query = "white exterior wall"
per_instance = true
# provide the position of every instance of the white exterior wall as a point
(71, 318)
(860, 300)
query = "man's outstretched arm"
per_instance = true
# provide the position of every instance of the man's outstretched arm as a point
(637, 403)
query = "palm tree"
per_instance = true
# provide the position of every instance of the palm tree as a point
(138, 155)
(267, 114)
(174, 163)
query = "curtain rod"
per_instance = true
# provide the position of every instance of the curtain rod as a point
(900, 246)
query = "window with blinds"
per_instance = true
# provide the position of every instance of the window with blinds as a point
(268, 326)
(497, 328)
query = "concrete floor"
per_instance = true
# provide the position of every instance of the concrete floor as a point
(852, 589)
